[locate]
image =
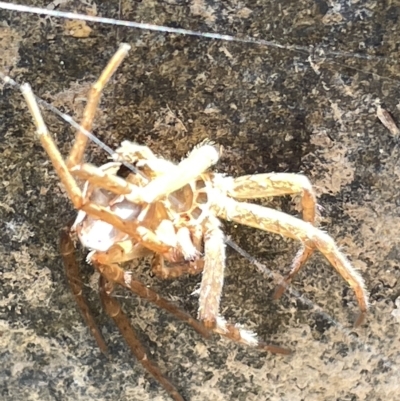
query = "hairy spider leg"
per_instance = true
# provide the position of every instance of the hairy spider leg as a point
(116, 274)
(175, 270)
(198, 161)
(213, 274)
(113, 309)
(280, 184)
(221, 327)
(242, 336)
(280, 223)
(71, 267)
(115, 312)
(79, 146)
(113, 273)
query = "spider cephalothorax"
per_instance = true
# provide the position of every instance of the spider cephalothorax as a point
(172, 211)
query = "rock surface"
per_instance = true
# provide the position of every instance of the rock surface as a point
(274, 110)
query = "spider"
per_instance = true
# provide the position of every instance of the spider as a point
(172, 211)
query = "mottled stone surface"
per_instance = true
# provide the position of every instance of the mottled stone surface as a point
(272, 111)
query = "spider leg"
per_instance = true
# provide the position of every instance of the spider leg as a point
(276, 184)
(160, 270)
(187, 244)
(221, 327)
(50, 147)
(123, 251)
(280, 223)
(75, 283)
(114, 310)
(213, 273)
(126, 251)
(81, 139)
(211, 290)
(197, 162)
(280, 184)
(102, 179)
(240, 335)
(116, 274)
(186, 257)
(298, 262)
(132, 228)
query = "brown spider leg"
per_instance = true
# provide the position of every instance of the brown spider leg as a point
(123, 251)
(213, 274)
(114, 310)
(81, 139)
(280, 184)
(75, 282)
(117, 275)
(221, 327)
(160, 270)
(298, 262)
(280, 223)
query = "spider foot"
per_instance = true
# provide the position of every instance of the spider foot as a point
(298, 262)
(239, 334)
(281, 287)
(274, 349)
(360, 319)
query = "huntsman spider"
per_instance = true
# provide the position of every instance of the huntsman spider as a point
(172, 211)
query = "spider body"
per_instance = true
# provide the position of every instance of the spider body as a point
(173, 211)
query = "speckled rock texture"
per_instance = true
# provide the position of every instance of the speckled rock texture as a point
(273, 111)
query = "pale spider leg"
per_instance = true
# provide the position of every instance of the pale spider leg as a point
(116, 274)
(213, 273)
(101, 179)
(188, 244)
(185, 244)
(221, 327)
(176, 270)
(79, 146)
(50, 147)
(280, 223)
(275, 184)
(115, 312)
(199, 160)
(197, 237)
(73, 275)
(140, 234)
(242, 336)
(279, 184)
